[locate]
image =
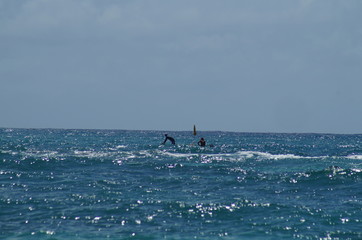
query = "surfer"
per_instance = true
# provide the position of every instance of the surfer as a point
(202, 142)
(172, 140)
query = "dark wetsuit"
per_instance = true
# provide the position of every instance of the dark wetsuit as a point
(169, 138)
(202, 143)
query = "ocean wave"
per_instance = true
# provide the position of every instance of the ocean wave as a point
(92, 154)
(355, 157)
(270, 156)
(337, 175)
(238, 156)
(118, 147)
(120, 154)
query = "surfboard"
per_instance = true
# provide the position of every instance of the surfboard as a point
(195, 130)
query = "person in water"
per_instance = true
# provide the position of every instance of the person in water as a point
(202, 142)
(172, 140)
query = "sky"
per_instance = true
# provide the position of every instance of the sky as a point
(237, 65)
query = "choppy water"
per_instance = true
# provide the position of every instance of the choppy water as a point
(110, 184)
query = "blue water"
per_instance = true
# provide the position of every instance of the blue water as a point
(113, 184)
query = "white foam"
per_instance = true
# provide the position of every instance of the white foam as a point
(179, 155)
(118, 147)
(40, 154)
(356, 157)
(265, 155)
(238, 156)
(121, 146)
(91, 154)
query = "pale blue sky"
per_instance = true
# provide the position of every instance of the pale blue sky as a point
(236, 65)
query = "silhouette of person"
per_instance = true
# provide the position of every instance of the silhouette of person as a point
(172, 140)
(202, 142)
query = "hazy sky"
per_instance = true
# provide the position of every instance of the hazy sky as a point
(235, 65)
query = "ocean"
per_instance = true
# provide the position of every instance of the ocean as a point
(118, 184)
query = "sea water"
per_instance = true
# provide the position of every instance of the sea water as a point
(114, 184)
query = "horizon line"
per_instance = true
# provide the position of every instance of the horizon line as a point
(149, 130)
